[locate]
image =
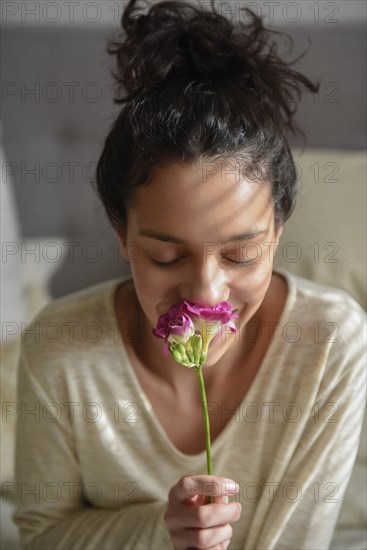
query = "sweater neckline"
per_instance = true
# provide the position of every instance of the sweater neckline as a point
(260, 375)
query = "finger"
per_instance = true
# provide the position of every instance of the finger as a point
(222, 546)
(198, 500)
(210, 515)
(191, 485)
(207, 538)
(224, 499)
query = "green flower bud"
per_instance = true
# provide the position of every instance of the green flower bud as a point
(190, 356)
(176, 355)
(181, 349)
(197, 342)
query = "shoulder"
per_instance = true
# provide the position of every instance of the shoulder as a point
(331, 324)
(313, 301)
(73, 323)
(88, 303)
(323, 341)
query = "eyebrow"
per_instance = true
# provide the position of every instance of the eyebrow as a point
(248, 235)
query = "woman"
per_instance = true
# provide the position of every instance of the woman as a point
(197, 179)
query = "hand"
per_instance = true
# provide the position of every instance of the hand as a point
(194, 524)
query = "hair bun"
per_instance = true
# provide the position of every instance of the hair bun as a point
(175, 39)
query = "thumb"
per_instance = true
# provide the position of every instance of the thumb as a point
(217, 500)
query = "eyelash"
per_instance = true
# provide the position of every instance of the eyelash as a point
(173, 262)
(164, 264)
(242, 264)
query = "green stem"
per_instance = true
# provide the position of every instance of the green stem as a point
(207, 424)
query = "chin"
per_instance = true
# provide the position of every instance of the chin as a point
(217, 350)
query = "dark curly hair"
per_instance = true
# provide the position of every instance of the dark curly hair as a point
(197, 87)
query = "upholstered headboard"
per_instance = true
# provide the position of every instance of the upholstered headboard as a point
(57, 108)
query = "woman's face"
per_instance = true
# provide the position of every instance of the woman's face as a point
(201, 233)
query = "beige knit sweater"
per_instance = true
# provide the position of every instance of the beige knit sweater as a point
(94, 465)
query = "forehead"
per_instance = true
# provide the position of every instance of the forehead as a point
(203, 196)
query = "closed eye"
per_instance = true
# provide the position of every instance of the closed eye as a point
(165, 264)
(175, 261)
(241, 264)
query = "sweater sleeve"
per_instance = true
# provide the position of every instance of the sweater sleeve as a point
(51, 509)
(309, 496)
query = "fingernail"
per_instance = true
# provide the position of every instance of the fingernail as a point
(232, 487)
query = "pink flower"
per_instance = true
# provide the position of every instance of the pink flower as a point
(222, 312)
(174, 326)
(182, 321)
(181, 329)
(163, 326)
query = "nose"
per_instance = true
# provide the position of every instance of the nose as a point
(206, 284)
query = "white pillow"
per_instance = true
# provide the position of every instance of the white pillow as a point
(325, 239)
(12, 299)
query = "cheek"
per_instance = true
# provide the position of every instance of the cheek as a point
(145, 286)
(253, 284)
(155, 291)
